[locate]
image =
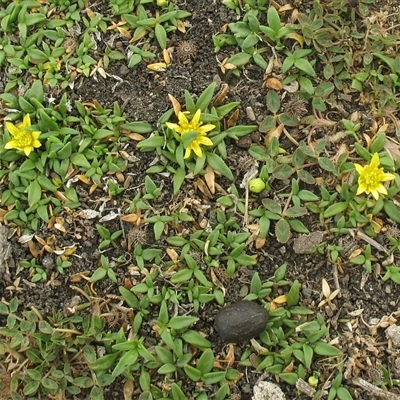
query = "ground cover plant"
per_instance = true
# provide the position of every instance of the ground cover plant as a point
(160, 160)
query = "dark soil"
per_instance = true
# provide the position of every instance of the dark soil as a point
(356, 317)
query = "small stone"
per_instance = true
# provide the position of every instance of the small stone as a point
(241, 321)
(267, 391)
(393, 334)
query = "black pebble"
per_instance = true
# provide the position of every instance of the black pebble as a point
(240, 321)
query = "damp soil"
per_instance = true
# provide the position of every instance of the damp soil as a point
(356, 317)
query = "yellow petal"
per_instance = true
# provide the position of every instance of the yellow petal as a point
(207, 128)
(12, 128)
(196, 118)
(387, 177)
(170, 125)
(26, 122)
(361, 189)
(36, 143)
(12, 144)
(204, 140)
(27, 150)
(375, 194)
(381, 189)
(36, 135)
(197, 149)
(375, 161)
(359, 168)
(187, 152)
(182, 119)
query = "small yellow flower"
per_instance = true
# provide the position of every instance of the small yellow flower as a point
(23, 138)
(184, 126)
(371, 178)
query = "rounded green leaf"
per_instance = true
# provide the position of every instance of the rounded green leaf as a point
(325, 349)
(282, 231)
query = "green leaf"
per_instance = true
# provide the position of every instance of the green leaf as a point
(326, 164)
(343, 394)
(392, 210)
(42, 213)
(139, 127)
(306, 195)
(290, 377)
(46, 183)
(273, 101)
(182, 276)
(282, 231)
(306, 84)
(218, 164)
(294, 294)
(80, 160)
(177, 393)
(240, 59)
(325, 349)
(295, 211)
(335, 209)
(167, 368)
(45, 327)
(129, 297)
(378, 143)
(272, 206)
(274, 22)
(196, 339)
(206, 361)
(128, 359)
(34, 193)
(181, 322)
(99, 274)
(161, 35)
(283, 171)
(213, 377)
(178, 179)
(298, 226)
(193, 373)
(303, 65)
(205, 98)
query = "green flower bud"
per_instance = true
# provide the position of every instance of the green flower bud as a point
(257, 185)
(313, 381)
(162, 3)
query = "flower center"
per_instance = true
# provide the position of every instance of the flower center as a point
(190, 127)
(24, 138)
(373, 177)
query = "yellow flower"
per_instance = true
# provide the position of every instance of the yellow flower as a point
(371, 178)
(23, 138)
(195, 125)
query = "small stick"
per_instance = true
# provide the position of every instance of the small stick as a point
(372, 389)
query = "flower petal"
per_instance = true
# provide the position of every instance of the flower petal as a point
(182, 119)
(361, 189)
(172, 126)
(387, 177)
(374, 161)
(36, 143)
(204, 140)
(207, 128)
(381, 189)
(375, 194)
(187, 152)
(14, 131)
(359, 168)
(27, 150)
(12, 144)
(196, 118)
(26, 122)
(197, 149)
